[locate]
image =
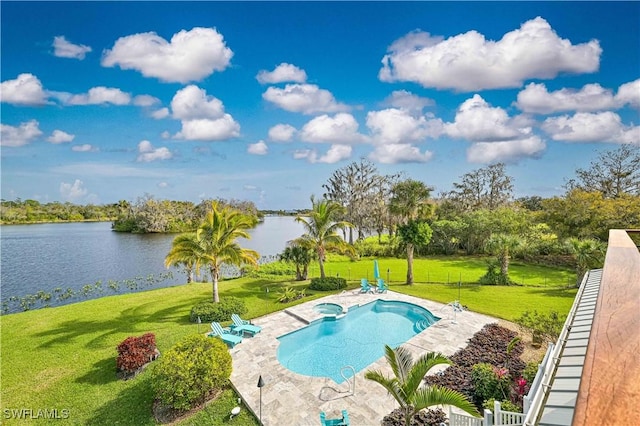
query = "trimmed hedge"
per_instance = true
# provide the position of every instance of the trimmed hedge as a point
(191, 371)
(209, 311)
(327, 283)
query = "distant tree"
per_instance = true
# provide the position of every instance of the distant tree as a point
(588, 254)
(583, 214)
(502, 246)
(217, 236)
(300, 256)
(358, 188)
(410, 202)
(533, 203)
(321, 229)
(447, 235)
(488, 188)
(613, 173)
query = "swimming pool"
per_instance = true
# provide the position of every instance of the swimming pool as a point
(325, 346)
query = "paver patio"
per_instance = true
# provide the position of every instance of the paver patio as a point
(289, 398)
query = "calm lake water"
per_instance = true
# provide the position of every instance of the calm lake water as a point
(47, 256)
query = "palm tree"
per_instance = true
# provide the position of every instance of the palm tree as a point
(409, 201)
(321, 230)
(405, 386)
(501, 246)
(588, 253)
(300, 256)
(185, 251)
(217, 236)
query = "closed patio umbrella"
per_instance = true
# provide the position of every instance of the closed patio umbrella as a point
(376, 270)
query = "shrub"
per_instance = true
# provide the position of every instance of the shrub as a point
(191, 371)
(505, 405)
(289, 294)
(530, 371)
(135, 352)
(494, 276)
(428, 417)
(209, 311)
(490, 382)
(489, 345)
(371, 247)
(543, 324)
(327, 283)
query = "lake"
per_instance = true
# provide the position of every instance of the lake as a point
(73, 255)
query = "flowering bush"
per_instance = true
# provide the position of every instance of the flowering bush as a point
(134, 352)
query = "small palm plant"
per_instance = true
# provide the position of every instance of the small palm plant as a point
(405, 386)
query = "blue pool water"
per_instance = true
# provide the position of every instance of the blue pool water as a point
(357, 339)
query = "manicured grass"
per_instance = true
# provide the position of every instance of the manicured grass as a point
(64, 357)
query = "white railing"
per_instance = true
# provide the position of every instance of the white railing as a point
(497, 418)
(506, 417)
(544, 368)
(536, 400)
(456, 419)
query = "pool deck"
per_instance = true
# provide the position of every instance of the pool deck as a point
(289, 398)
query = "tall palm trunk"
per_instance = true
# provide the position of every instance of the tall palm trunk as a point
(214, 280)
(504, 262)
(321, 261)
(409, 263)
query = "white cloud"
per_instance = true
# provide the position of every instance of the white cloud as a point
(405, 100)
(505, 151)
(476, 120)
(282, 133)
(163, 185)
(73, 191)
(342, 128)
(258, 148)
(394, 153)
(193, 102)
(202, 116)
(160, 113)
(303, 98)
(334, 154)
(58, 136)
(535, 98)
(100, 95)
(66, 49)
(19, 136)
(468, 62)
(147, 153)
(282, 73)
(189, 56)
(629, 93)
(24, 90)
(206, 129)
(396, 126)
(145, 100)
(84, 148)
(591, 127)
(250, 188)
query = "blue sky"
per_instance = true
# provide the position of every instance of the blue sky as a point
(262, 101)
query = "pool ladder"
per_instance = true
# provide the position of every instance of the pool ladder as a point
(352, 389)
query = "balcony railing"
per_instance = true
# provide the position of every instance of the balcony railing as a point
(609, 391)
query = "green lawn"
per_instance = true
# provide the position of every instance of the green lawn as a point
(64, 357)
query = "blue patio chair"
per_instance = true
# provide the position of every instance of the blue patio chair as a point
(344, 421)
(365, 287)
(241, 326)
(226, 335)
(382, 287)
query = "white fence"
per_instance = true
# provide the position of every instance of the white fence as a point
(497, 418)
